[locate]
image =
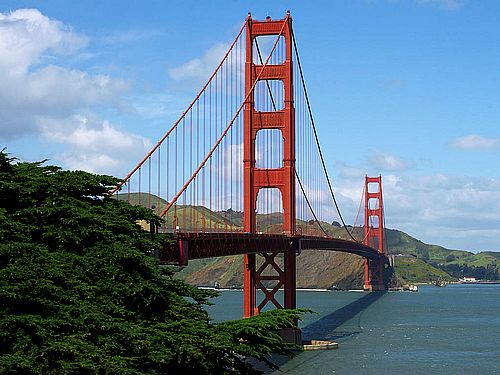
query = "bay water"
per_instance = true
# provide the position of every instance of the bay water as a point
(451, 330)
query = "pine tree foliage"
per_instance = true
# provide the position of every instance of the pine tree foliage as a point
(80, 293)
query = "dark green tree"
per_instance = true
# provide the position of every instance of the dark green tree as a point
(80, 294)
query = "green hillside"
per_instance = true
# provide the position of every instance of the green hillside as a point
(483, 259)
(456, 263)
(413, 270)
(189, 217)
(142, 199)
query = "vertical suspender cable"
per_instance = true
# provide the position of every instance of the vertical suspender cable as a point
(158, 195)
(149, 182)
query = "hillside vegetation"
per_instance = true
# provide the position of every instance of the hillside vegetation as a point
(413, 270)
(456, 263)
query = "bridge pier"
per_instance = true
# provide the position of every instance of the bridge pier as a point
(249, 286)
(285, 278)
(258, 278)
(374, 275)
(290, 287)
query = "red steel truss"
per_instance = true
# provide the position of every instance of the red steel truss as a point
(189, 246)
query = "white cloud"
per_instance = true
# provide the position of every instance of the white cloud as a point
(447, 212)
(89, 162)
(475, 142)
(96, 146)
(157, 107)
(26, 34)
(32, 92)
(453, 211)
(232, 163)
(55, 104)
(200, 68)
(386, 162)
(346, 171)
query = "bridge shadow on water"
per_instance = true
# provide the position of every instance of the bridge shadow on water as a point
(326, 327)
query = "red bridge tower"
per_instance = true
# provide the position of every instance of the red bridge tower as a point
(374, 233)
(282, 178)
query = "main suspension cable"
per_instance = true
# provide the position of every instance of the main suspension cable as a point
(317, 140)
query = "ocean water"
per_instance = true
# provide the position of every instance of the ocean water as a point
(451, 330)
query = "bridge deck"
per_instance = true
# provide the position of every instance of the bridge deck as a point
(184, 246)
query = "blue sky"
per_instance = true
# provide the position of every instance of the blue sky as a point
(409, 89)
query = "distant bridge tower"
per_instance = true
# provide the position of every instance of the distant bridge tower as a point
(282, 178)
(374, 233)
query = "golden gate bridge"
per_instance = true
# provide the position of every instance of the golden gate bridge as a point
(242, 171)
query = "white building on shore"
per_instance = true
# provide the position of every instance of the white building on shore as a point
(467, 280)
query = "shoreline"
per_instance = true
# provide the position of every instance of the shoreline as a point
(322, 290)
(238, 289)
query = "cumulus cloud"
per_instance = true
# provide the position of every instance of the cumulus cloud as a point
(26, 34)
(441, 200)
(55, 104)
(475, 142)
(31, 91)
(96, 145)
(432, 205)
(157, 107)
(349, 172)
(200, 68)
(386, 162)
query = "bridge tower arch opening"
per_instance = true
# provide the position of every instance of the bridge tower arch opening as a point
(277, 77)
